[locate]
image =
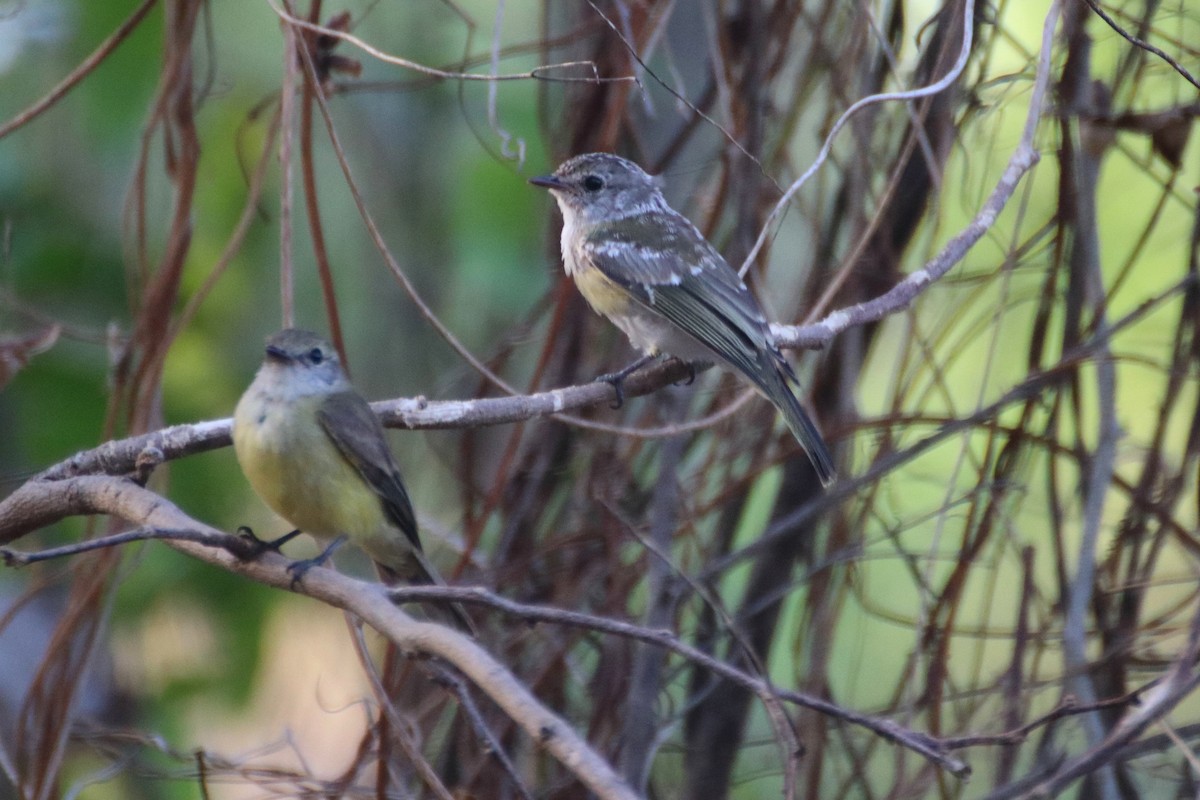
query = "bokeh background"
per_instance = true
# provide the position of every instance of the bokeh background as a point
(935, 591)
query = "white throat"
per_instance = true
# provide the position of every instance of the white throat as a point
(569, 228)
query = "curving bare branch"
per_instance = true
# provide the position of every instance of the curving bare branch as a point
(38, 503)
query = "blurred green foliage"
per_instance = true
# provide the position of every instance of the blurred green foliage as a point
(471, 235)
(463, 224)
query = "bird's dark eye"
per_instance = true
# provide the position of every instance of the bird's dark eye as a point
(316, 356)
(593, 183)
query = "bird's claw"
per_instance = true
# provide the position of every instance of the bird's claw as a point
(617, 379)
(691, 368)
(299, 569)
(259, 546)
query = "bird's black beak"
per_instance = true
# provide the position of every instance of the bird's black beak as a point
(548, 182)
(277, 353)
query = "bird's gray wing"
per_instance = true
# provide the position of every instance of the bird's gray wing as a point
(349, 422)
(668, 266)
(663, 261)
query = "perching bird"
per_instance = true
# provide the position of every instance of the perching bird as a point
(647, 268)
(317, 455)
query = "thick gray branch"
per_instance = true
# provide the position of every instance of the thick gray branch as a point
(41, 502)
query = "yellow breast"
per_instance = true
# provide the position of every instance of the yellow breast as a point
(297, 470)
(601, 292)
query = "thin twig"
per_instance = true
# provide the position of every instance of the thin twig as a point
(1179, 682)
(234, 544)
(939, 85)
(1175, 65)
(400, 730)
(920, 743)
(120, 456)
(233, 245)
(377, 237)
(641, 724)
(316, 229)
(39, 503)
(287, 116)
(537, 73)
(729, 137)
(495, 748)
(82, 71)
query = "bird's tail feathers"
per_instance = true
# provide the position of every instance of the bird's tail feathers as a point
(776, 383)
(418, 571)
